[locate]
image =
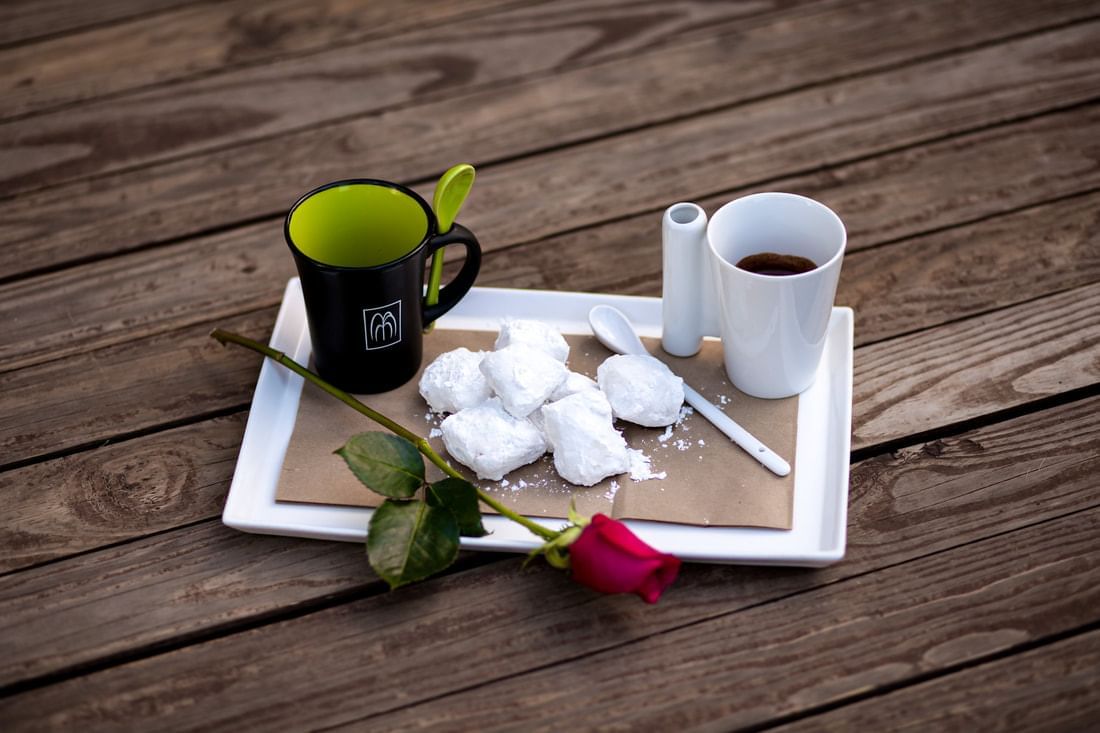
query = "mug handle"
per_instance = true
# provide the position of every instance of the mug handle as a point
(452, 292)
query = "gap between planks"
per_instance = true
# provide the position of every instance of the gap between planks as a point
(763, 93)
(1032, 533)
(918, 514)
(520, 236)
(1004, 395)
(370, 586)
(845, 186)
(192, 21)
(688, 648)
(517, 15)
(933, 438)
(945, 693)
(92, 16)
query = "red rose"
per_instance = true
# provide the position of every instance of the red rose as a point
(608, 557)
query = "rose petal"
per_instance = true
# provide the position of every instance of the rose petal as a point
(609, 558)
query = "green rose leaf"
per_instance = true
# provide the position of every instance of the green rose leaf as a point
(387, 464)
(460, 499)
(409, 541)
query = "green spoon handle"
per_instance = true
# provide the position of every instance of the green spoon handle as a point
(435, 277)
(450, 194)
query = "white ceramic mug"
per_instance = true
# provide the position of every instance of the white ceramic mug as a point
(772, 326)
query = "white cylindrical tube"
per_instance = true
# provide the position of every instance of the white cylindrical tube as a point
(684, 279)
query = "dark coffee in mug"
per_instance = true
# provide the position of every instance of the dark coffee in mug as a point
(778, 265)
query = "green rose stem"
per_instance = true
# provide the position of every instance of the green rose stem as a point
(422, 445)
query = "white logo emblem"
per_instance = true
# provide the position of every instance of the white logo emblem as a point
(382, 325)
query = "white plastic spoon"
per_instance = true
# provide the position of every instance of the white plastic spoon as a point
(615, 331)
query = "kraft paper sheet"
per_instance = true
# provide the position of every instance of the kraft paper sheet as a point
(709, 480)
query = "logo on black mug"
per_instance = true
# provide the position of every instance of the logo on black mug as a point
(382, 325)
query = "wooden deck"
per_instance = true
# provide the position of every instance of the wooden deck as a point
(148, 151)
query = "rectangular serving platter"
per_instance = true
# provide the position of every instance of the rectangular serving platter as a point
(818, 534)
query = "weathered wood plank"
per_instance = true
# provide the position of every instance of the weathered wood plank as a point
(923, 499)
(970, 368)
(25, 20)
(1053, 688)
(720, 646)
(138, 385)
(921, 381)
(193, 579)
(199, 39)
(934, 496)
(117, 492)
(809, 650)
(972, 269)
(380, 73)
(1005, 167)
(935, 588)
(894, 288)
(69, 311)
(122, 298)
(174, 199)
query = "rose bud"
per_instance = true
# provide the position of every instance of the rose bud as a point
(609, 558)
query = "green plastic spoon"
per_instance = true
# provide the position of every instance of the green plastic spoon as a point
(450, 194)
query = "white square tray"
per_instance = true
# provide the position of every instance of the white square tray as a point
(818, 532)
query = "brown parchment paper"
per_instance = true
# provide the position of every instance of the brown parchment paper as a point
(708, 479)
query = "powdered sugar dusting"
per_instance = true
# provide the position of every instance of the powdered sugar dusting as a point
(640, 468)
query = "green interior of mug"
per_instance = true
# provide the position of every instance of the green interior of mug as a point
(358, 225)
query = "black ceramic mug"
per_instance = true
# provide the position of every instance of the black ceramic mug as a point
(361, 247)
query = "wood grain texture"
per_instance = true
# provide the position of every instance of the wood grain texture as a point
(813, 649)
(149, 292)
(717, 152)
(146, 293)
(1053, 688)
(162, 588)
(199, 39)
(26, 20)
(380, 73)
(934, 496)
(137, 220)
(950, 182)
(117, 492)
(169, 287)
(922, 500)
(977, 366)
(894, 288)
(972, 269)
(135, 386)
(724, 656)
(921, 381)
